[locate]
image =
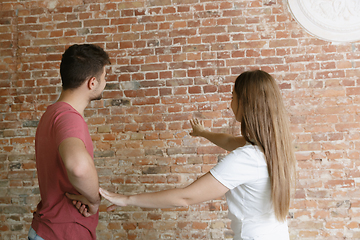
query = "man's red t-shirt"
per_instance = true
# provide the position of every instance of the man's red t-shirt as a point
(56, 217)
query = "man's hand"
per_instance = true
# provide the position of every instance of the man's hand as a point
(197, 127)
(83, 205)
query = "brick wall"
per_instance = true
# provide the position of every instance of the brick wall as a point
(173, 60)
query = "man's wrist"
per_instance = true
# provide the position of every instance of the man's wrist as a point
(96, 201)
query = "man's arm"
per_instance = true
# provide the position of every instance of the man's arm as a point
(81, 171)
(223, 140)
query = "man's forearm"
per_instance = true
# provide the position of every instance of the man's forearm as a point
(80, 168)
(86, 183)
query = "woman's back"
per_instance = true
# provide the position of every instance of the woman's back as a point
(244, 171)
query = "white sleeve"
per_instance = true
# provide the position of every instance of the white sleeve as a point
(239, 167)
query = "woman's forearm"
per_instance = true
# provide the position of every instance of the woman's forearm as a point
(203, 189)
(223, 140)
(164, 199)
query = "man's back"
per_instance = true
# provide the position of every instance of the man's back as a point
(56, 217)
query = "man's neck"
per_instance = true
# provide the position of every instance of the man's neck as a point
(75, 98)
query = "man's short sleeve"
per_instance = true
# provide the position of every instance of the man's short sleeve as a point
(70, 124)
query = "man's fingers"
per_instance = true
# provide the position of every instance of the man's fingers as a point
(73, 196)
(78, 205)
(82, 209)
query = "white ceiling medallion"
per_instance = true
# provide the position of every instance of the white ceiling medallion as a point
(334, 20)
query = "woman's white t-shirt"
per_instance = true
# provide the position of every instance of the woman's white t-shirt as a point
(244, 171)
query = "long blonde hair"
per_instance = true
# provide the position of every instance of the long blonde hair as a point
(264, 122)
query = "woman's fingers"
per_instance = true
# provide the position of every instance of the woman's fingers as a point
(104, 193)
(107, 196)
(111, 208)
(192, 122)
(195, 122)
(114, 198)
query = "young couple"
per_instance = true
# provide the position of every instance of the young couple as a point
(255, 176)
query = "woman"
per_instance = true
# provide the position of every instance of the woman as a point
(256, 176)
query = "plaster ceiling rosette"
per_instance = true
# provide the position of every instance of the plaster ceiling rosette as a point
(332, 20)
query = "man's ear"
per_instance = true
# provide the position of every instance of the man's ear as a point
(92, 83)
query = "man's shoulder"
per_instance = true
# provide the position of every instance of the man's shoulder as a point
(60, 115)
(61, 109)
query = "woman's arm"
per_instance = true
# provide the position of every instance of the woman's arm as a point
(223, 140)
(203, 189)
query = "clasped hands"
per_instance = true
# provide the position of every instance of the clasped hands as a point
(87, 209)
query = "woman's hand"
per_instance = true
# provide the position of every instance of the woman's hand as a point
(83, 205)
(114, 198)
(197, 127)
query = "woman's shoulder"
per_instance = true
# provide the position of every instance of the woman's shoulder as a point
(249, 146)
(251, 150)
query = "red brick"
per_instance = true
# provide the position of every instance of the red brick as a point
(199, 225)
(146, 101)
(335, 225)
(128, 226)
(174, 49)
(153, 67)
(194, 89)
(340, 183)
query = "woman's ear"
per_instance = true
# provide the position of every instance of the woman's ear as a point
(92, 83)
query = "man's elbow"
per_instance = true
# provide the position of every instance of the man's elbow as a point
(79, 171)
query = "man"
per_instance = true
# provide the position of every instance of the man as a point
(64, 150)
